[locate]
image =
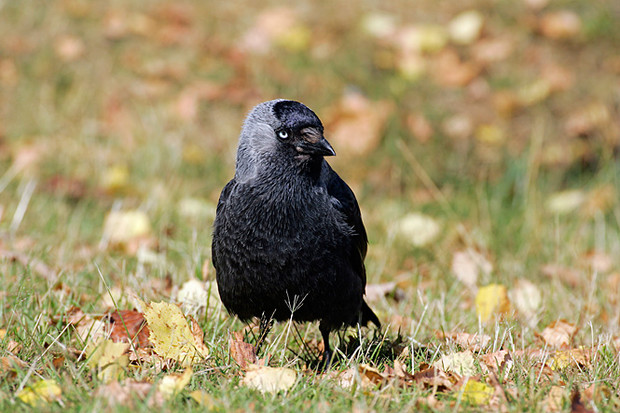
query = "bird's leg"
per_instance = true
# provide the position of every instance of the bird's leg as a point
(263, 329)
(327, 352)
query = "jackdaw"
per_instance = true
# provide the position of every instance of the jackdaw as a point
(288, 239)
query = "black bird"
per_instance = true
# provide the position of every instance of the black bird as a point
(288, 238)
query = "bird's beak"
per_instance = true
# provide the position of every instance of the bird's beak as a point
(314, 143)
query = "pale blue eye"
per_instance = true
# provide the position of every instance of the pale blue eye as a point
(283, 134)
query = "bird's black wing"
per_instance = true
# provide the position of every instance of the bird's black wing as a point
(219, 212)
(345, 202)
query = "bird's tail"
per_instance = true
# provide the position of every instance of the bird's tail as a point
(368, 316)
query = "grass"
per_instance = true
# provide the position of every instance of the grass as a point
(73, 118)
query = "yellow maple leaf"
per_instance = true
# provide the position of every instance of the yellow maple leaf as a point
(492, 300)
(40, 393)
(109, 358)
(203, 398)
(171, 334)
(477, 393)
(172, 384)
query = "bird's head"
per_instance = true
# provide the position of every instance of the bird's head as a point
(282, 129)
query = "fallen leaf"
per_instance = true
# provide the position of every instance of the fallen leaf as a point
(269, 379)
(435, 378)
(276, 26)
(573, 357)
(418, 229)
(587, 118)
(40, 393)
(356, 124)
(492, 300)
(472, 342)
(449, 70)
(126, 392)
(458, 126)
(69, 48)
(461, 363)
(412, 40)
(129, 325)
(534, 92)
(203, 398)
(499, 361)
(562, 24)
(372, 374)
(526, 297)
(115, 179)
(243, 353)
(110, 359)
(599, 200)
(554, 401)
(559, 78)
(477, 393)
(11, 363)
(576, 404)
(172, 384)
(375, 292)
(87, 328)
(380, 25)
(567, 275)
(490, 134)
(468, 265)
(466, 27)
(420, 127)
(172, 336)
(492, 50)
(127, 230)
(559, 334)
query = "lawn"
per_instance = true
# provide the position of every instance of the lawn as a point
(482, 142)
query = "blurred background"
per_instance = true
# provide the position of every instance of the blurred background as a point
(490, 127)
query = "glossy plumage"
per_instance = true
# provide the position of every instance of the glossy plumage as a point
(288, 236)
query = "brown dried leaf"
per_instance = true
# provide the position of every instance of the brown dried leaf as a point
(576, 405)
(559, 334)
(562, 24)
(129, 325)
(126, 392)
(435, 378)
(472, 342)
(87, 328)
(498, 362)
(558, 77)
(573, 357)
(448, 70)
(587, 118)
(554, 400)
(243, 353)
(419, 127)
(372, 374)
(356, 124)
(567, 275)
